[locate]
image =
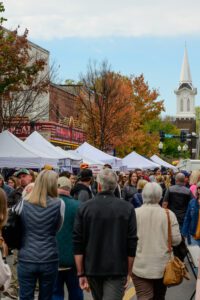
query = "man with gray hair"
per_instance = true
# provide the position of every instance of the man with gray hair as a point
(105, 240)
(177, 198)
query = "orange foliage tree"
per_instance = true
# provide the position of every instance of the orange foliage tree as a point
(115, 108)
(106, 107)
(147, 107)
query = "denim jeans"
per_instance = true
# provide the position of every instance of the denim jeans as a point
(30, 273)
(69, 278)
(195, 242)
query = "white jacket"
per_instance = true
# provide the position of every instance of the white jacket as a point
(152, 249)
(5, 274)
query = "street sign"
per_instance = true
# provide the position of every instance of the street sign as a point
(169, 136)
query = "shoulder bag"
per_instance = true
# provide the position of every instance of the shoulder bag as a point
(11, 232)
(175, 269)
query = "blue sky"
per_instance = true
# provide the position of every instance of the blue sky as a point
(136, 36)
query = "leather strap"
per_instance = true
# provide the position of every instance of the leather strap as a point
(169, 232)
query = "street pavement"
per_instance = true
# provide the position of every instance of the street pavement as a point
(183, 291)
(180, 292)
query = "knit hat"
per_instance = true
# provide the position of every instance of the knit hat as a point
(84, 166)
(47, 167)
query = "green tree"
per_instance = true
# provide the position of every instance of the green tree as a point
(197, 112)
(170, 145)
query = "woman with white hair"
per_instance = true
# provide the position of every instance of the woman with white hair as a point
(41, 217)
(152, 250)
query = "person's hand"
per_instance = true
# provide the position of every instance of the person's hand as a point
(83, 283)
(164, 205)
(127, 281)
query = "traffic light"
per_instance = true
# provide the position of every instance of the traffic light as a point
(183, 136)
(162, 135)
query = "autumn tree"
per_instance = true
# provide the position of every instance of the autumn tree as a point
(147, 106)
(24, 77)
(105, 106)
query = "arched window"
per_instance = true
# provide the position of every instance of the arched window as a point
(181, 105)
(188, 104)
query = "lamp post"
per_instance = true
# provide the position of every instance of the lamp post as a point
(160, 147)
(179, 148)
(183, 149)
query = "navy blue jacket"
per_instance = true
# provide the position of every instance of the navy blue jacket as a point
(137, 200)
(191, 218)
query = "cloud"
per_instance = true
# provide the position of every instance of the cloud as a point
(49, 19)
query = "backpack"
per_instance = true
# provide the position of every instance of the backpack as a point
(11, 232)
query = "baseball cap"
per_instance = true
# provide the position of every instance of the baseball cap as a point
(22, 171)
(185, 173)
(1, 176)
(64, 182)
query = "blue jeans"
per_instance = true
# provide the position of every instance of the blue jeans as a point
(194, 242)
(30, 273)
(69, 278)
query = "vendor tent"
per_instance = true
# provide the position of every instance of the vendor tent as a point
(163, 163)
(134, 161)
(90, 152)
(37, 141)
(70, 154)
(14, 153)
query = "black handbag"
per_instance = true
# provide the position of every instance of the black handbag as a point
(11, 232)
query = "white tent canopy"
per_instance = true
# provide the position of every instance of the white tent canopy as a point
(90, 152)
(38, 142)
(161, 162)
(70, 154)
(88, 160)
(14, 153)
(134, 161)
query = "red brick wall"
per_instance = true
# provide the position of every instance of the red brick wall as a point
(62, 104)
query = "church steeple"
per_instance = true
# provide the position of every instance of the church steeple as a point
(185, 70)
(185, 92)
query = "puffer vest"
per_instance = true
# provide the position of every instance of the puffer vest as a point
(39, 228)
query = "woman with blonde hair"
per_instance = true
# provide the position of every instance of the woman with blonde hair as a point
(41, 217)
(27, 191)
(137, 198)
(194, 178)
(5, 273)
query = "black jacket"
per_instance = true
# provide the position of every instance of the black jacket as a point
(105, 233)
(14, 197)
(178, 198)
(81, 192)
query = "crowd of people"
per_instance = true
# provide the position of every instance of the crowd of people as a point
(95, 233)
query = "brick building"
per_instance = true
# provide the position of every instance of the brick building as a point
(59, 123)
(62, 102)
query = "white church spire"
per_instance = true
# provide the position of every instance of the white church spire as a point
(185, 70)
(185, 93)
